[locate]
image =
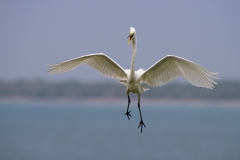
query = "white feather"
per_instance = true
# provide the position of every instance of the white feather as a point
(98, 61)
(171, 67)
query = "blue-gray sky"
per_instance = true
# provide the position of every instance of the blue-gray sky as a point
(36, 33)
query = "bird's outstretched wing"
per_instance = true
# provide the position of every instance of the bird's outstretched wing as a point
(98, 61)
(170, 67)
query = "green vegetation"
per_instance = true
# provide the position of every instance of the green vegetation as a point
(73, 89)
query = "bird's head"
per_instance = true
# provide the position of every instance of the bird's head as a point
(131, 35)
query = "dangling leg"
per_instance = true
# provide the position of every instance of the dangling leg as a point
(128, 112)
(141, 122)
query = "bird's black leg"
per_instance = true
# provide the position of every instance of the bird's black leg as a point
(128, 112)
(141, 122)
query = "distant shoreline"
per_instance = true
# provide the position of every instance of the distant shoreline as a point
(114, 101)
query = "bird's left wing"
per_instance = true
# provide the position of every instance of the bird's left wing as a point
(98, 61)
(171, 67)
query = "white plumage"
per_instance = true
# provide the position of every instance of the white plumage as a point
(98, 61)
(158, 74)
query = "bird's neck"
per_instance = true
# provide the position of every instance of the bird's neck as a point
(132, 67)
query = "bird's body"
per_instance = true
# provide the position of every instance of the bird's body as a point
(158, 74)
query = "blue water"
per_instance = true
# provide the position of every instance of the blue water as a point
(60, 132)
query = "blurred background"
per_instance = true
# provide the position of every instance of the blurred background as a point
(80, 114)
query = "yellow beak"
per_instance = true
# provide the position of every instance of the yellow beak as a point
(130, 38)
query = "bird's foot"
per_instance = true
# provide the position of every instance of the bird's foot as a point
(128, 114)
(141, 124)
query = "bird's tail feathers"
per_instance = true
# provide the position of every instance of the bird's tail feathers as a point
(143, 88)
(124, 82)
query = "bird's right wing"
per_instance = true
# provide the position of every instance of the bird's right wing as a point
(98, 61)
(171, 67)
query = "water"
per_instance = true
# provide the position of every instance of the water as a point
(60, 132)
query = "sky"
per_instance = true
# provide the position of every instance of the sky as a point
(36, 33)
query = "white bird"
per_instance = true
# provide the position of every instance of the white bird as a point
(158, 74)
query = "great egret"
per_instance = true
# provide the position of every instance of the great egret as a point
(158, 74)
